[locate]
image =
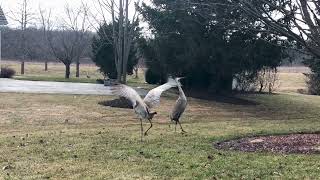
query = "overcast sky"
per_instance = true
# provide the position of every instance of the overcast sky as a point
(56, 6)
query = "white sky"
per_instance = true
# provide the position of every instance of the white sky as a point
(57, 8)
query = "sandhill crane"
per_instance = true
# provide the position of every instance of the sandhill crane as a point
(179, 107)
(142, 107)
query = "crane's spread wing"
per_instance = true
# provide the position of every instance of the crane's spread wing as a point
(152, 99)
(126, 92)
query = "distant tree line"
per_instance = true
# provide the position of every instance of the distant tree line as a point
(37, 48)
(36, 45)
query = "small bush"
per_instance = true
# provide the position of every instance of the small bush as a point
(7, 72)
(268, 80)
(245, 82)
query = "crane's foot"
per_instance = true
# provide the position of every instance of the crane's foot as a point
(145, 134)
(182, 131)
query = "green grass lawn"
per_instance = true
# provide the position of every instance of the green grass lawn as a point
(102, 143)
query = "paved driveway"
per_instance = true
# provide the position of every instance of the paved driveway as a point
(18, 86)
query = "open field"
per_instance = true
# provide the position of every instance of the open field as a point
(292, 78)
(72, 137)
(34, 70)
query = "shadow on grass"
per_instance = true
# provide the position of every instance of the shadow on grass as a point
(232, 99)
(117, 103)
(255, 106)
(280, 107)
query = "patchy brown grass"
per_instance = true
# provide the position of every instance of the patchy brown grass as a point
(72, 137)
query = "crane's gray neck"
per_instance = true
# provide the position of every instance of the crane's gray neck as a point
(181, 93)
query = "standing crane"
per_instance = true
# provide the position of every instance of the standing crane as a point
(179, 107)
(142, 107)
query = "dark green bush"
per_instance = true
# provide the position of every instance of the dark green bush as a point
(104, 55)
(7, 72)
(209, 53)
(154, 77)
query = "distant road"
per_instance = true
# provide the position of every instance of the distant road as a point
(18, 86)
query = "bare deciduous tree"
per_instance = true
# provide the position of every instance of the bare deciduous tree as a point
(69, 41)
(298, 20)
(23, 16)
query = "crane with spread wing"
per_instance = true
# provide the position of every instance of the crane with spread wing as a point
(141, 106)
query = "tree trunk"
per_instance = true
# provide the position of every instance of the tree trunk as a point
(67, 75)
(78, 69)
(270, 88)
(120, 42)
(136, 70)
(126, 45)
(46, 66)
(22, 68)
(261, 87)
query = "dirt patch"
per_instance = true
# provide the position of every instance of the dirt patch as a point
(118, 103)
(284, 144)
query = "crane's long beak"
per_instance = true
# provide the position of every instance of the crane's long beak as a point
(179, 78)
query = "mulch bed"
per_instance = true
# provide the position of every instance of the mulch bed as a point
(118, 103)
(284, 144)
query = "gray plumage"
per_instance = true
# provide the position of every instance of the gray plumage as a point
(142, 107)
(179, 107)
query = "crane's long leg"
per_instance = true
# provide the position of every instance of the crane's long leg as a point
(146, 133)
(183, 131)
(141, 129)
(175, 127)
